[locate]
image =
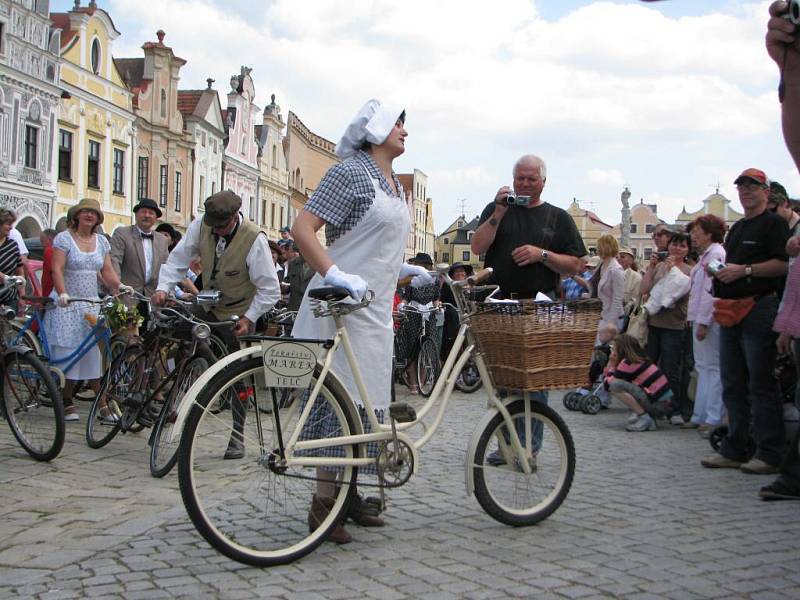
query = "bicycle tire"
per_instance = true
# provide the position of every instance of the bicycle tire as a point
(554, 459)
(428, 367)
(16, 337)
(235, 504)
(115, 385)
(163, 454)
(469, 379)
(32, 405)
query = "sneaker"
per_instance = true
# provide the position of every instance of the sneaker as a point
(676, 420)
(717, 461)
(779, 490)
(632, 418)
(109, 419)
(643, 423)
(71, 413)
(690, 425)
(756, 466)
(495, 459)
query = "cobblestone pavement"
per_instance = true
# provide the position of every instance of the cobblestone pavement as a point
(643, 520)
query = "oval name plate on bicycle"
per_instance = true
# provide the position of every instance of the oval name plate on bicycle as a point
(290, 364)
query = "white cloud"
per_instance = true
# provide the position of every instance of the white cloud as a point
(606, 84)
(606, 176)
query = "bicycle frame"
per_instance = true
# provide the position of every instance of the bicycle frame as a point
(99, 332)
(441, 395)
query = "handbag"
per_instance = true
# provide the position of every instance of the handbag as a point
(637, 325)
(731, 311)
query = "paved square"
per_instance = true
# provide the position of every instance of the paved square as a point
(643, 520)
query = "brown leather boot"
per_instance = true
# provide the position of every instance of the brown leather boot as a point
(363, 513)
(320, 507)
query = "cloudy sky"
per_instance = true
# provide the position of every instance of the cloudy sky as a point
(669, 98)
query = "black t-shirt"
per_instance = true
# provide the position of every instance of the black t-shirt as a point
(753, 241)
(545, 226)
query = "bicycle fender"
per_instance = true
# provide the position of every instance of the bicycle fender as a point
(187, 401)
(469, 480)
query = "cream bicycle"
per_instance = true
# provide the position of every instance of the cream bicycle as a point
(520, 461)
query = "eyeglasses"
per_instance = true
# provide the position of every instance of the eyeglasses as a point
(659, 234)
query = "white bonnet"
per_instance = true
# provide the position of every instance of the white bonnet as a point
(373, 123)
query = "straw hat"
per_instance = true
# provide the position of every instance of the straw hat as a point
(86, 204)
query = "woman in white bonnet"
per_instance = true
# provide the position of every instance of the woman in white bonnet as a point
(362, 206)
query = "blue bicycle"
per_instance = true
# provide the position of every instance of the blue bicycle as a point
(24, 334)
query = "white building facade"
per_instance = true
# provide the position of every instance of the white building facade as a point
(240, 161)
(273, 185)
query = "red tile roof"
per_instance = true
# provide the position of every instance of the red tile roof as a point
(61, 21)
(187, 101)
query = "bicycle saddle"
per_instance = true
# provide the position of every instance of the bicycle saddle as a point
(328, 294)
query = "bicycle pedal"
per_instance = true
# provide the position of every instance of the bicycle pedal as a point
(402, 412)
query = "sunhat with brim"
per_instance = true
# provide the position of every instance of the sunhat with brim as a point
(459, 265)
(86, 204)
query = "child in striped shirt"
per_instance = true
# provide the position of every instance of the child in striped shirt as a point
(638, 383)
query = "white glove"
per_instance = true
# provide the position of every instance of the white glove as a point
(407, 270)
(124, 289)
(63, 300)
(354, 285)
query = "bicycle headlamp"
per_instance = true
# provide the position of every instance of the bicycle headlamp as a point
(201, 331)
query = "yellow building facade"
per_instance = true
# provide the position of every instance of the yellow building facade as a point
(715, 204)
(590, 226)
(95, 137)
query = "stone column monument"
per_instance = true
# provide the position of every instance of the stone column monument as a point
(625, 228)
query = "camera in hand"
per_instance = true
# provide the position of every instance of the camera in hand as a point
(662, 255)
(512, 199)
(715, 266)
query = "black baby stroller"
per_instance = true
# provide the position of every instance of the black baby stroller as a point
(786, 381)
(592, 397)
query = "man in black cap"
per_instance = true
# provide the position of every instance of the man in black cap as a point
(286, 234)
(237, 261)
(137, 252)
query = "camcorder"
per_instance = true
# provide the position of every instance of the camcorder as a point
(513, 200)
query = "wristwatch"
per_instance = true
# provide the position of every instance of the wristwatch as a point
(545, 255)
(748, 270)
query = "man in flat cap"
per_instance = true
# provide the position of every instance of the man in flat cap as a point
(137, 252)
(237, 261)
(749, 287)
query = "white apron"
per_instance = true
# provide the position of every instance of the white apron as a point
(373, 250)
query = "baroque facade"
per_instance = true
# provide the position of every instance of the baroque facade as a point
(421, 237)
(590, 226)
(29, 95)
(715, 204)
(273, 184)
(240, 161)
(162, 153)
(202, 121)
(95, 124)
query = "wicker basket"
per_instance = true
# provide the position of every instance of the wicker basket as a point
(537, 346)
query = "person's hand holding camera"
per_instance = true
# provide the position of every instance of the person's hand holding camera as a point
(500, 203)
(783, 44)
(730, 273)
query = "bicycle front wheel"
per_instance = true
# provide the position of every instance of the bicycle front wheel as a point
(16, 337)
(163, 452)
(469, 379)
(32, 405)
(428, 367)
(123, 378)
(502, 488)
(256, 509)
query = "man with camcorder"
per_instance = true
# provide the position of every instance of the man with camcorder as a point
(529, 243)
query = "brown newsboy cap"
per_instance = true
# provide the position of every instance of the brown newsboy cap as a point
(220, 207)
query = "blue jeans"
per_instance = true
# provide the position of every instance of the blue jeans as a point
(667, 348)
(747, 361)
(537, 427)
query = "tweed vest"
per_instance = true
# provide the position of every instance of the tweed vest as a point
(229, 274)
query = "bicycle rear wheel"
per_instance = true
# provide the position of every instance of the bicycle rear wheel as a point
(502, 489)
(123, 378)
(32, 405)
(428, 366)
(163, 452)
(15, 337)
(255, 509)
